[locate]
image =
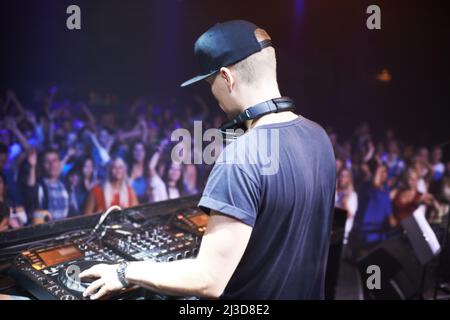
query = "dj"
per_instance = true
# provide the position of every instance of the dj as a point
(268, 232)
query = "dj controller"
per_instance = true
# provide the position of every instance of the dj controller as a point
(50, 269)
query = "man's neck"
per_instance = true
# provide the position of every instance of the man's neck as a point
(272, 118)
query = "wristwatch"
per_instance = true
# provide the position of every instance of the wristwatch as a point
(121, 273)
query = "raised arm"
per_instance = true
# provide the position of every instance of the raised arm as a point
(32, 161)
(11, 125)
(13, 98)
(155, 157)
(90, 117)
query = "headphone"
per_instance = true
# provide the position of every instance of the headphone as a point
(276, 105)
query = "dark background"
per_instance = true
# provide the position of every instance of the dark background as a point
(327, 58)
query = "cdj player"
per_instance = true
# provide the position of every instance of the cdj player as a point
(50, 270)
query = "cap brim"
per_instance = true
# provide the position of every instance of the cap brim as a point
(196, 79)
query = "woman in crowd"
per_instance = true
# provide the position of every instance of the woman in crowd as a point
(436, 162)
(89, 174)
(346, 199)
(424, 172)
(373, 218)
(137, 170)
(407, 199)
(157, 189)
(175, 186)
(393, 160)
(80, 181)
(116, 190)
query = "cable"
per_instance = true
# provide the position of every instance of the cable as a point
(101, 220)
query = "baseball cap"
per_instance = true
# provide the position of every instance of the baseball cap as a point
(223, 45)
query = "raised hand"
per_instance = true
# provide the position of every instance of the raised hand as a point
(32, 158)
(31, 117)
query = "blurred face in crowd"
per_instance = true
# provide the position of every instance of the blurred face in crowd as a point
(418, 165)
(347, 147)
(408, 152)
(383, 173)
(389, 134)
(393, 147)
(79, 150)
(412, 179)
(175, 171)
(67, 126)
(345, 178)
(104, 137)
(74, 179)
(88, 168)
(108, 120)
(423, 154)
(333, 138)
(437, 154)
(446, 189)
(339, 165)
(52, 165)
(365, 129)
(153, 132)
(71, 138)
(138, 152)
(118, 170)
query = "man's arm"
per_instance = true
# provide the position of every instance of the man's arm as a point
(223, 245)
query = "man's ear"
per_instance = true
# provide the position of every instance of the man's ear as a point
(225, 73)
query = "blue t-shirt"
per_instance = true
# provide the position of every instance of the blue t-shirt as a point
(280, 179)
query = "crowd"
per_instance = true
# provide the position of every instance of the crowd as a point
(380, 182)
(60, 158)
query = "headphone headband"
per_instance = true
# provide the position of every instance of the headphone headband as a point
(270, 106)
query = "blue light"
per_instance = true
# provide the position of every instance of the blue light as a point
(298, 8)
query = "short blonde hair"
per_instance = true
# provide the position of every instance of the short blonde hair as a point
(258, 66)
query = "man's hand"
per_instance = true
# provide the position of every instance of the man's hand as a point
(107, 283)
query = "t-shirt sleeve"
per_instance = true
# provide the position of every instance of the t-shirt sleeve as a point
(231, 191)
